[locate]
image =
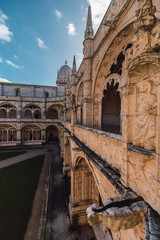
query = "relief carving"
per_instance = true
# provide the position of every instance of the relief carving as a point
(145, 119)
(155, 37)
(147, 35)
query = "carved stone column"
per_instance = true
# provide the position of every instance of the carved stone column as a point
(83, 192)
(87, 97)
(19, 111)
(43, 137)
(44, 109)
(19, 136)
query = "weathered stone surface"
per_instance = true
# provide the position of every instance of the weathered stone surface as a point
(119, 213)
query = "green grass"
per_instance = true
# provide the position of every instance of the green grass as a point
(18, 184)
(5, 155)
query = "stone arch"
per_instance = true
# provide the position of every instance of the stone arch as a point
(84, 191)
(111, 105)
(3, 112)
(8, 110)
(31, 133)
(52, 134)
(32, 111)
(54, 111)
(8, 133)
(107, 60)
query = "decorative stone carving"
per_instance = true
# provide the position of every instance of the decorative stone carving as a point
(116, 78)
(155, 37)
(145, 119)
(118, 40)
(109, 23)
(120, 213)
(147, 36)
(145, 14)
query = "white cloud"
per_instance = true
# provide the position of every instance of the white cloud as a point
(41, 43)
(5, 34)
(58, 15)
(14, 65)
(98, 10)
(15, 56)
(71, 29)
(1, 60)
(3, 17)
(4, 80)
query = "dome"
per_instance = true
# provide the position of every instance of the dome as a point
(64, 74)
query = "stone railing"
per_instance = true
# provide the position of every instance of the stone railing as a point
(108, 146)
(137, 166)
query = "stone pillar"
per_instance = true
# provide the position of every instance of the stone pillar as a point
(19, 136)
(158, 138)
(64, 115)
(44, 113)
(87, 103)
(124, 126)
(73, 120)
(43, 137)
(61, 136)
(19, 110)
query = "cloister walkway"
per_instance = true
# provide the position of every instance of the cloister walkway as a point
(58, 223)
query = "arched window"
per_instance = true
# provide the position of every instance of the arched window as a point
(46, 94)
(7, 133)
(52, 113)
(52, 134)
(32, 111)
(12, 113)
(111, 109)
(17, 92)
(3, 112)
(31, 133)
(8, 111)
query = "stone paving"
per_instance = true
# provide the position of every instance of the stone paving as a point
(22, 157)
(58, 224)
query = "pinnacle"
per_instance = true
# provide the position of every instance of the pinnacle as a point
(89, 30)
(74, 70)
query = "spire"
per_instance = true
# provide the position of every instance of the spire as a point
(89, 33)
(74, 70)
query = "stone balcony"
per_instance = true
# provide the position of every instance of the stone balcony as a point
(136, 166)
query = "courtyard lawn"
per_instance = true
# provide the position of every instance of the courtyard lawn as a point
(18, 184)
(5, 155)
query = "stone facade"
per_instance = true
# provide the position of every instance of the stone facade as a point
(107, 120)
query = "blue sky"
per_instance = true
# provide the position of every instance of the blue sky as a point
(37, 36)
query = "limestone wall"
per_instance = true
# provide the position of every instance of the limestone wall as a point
(9, 89)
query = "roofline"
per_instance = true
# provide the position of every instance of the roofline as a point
(24, 84)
